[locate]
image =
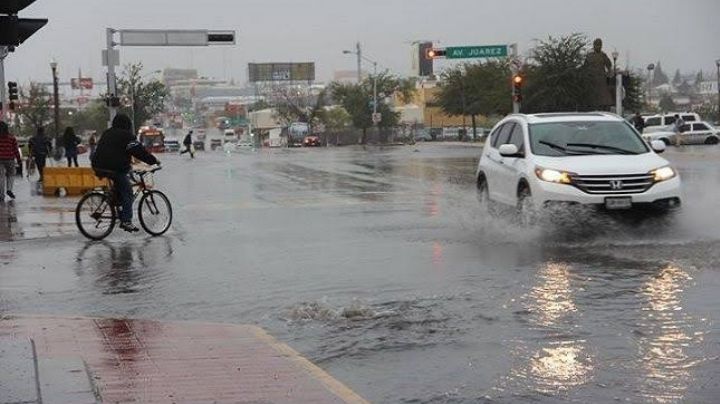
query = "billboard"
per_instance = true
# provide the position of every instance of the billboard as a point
(259, 72)
(85, 83)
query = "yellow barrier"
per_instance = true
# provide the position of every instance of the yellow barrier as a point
(75, 180)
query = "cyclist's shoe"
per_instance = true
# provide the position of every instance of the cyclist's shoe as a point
(128, 227)
(11, 194)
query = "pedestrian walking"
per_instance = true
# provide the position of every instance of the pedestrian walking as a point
(188, 143)
(9, 154)
(92, 142)
(638, 122)
(678, 129)
(39, 149)
(71, 142)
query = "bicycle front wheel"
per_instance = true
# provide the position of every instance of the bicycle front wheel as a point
(94, 215)
(155, 212)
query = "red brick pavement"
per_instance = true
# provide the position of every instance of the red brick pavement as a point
(175, 362)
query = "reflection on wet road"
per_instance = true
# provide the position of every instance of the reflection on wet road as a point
(379, 266)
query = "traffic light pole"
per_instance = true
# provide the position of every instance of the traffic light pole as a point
(3, 94)
(513, 57)
(111, 78)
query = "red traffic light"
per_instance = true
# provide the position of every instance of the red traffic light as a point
(517, 80)
(434, 53)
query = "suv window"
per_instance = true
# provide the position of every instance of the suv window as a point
(700, 126)
(685, 128)
(669, 120)
(688, 118)
(516, 137)
(502, 134)
(652, 121)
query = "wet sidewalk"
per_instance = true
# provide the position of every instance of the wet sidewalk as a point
(80, 360)
(31, 216)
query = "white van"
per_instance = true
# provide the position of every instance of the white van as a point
(229, 136)
(660, 122)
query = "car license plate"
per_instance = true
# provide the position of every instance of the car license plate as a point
(618, 203)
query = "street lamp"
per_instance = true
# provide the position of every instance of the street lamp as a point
(56, 104)
(650, 68)
(615, 55)
(361, 57)
(717, 63)
(132, 97)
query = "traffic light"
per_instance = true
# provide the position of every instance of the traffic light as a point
(12, 91)
(434, 53)
(425, 64)
(14, 30)
(517, 82)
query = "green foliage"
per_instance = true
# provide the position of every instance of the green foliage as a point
(356, 99)
(147, 97)
(666, 103)
(94, 117)
(476, 89)
(291, 105)
(659, 76)
(335, 118)
(556, 78)
(35, 110)
(677, 79)
(633, 100)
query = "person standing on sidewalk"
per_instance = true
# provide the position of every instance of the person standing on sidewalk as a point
(9, 154)
(39, 150)
(188, 143)
(638, 122)
(71, 142)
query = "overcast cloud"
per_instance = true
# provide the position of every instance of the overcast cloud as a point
(682, 34)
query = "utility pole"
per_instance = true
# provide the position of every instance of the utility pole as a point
(358, 52)
(516, 70)
(56, 105)
(3, 95)
(111, 78)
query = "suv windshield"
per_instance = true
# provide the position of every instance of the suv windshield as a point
(584, 137)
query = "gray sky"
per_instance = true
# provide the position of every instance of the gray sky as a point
(682, 34)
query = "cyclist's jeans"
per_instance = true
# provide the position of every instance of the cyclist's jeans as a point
(125, 193)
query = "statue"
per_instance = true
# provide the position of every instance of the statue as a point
(599, 70)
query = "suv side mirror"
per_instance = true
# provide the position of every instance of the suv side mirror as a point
(658, 146)
(509, 150)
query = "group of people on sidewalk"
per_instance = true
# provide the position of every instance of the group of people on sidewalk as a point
(39, 147)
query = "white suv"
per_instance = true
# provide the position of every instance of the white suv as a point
(596, 159)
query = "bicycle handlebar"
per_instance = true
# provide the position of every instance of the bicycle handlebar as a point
(148, 171)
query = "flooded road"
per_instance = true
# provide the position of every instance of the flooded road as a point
(379, 266)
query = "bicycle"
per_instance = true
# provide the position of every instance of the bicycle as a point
(97, 211)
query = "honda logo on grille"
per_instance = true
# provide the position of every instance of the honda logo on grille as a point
(616, 185)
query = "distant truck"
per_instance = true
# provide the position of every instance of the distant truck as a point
(297, 131)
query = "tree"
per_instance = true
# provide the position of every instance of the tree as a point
(659, 77)
(476, 89)
(357, 99)
(556, 78)
(293, 105)
(94, 117)
(677, 79)
(148, 99)
(35, 110)
(666, 103)
(633, 100)
(698, 79)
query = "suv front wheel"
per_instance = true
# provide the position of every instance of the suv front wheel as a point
(527, 214)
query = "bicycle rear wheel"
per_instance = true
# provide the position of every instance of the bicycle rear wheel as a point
(94, 215)
(155, 212)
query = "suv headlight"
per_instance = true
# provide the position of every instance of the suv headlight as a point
(550, 175)
(663, 174)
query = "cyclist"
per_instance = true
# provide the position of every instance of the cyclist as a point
(112, 159)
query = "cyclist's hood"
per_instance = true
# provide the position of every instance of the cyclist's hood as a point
(122, 122)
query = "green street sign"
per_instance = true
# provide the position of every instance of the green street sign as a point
(471, 52)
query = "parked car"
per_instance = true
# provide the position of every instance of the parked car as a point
(658, 123)
(534, 162)
(311, 141)
(216, 143)
(422, 135)
(691, 133)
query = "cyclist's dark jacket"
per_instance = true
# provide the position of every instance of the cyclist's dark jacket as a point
(117, 145)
